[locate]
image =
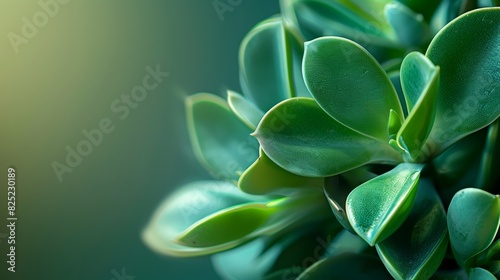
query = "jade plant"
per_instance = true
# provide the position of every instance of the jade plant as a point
(365, 145)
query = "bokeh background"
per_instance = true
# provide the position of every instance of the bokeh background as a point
(63, 80)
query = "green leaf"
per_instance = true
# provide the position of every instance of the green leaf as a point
(493, 267)
(245, 110)
(265, 177)
(347, 266)
(490, 254)
(358, 20)
(410, 27)
(451, 174)
(221, 142)
(396, 81)
(473, 219)
(187, 206)
(420, 80)
(346, 242)
(481, 274)
(446, 274)
(337, 189)
(378, 207)
(229, 225)
(267, 255)
(301, 138)
(490, 159)
(424, 7)
(422, 238)
(470, 74)
(349, 84)
(394, 124)
(266, 59)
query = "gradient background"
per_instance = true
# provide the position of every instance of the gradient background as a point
(63, 81)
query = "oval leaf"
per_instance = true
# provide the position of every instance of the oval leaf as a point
(469, 91)
(337, 189)
(350, 85)
(481, 274)
(301, 138)
(221, 142)
(419, 79)
(186, 207)
(265, 176)
(245, 110)
(409, 26)
(422, 238)
(378, 207)
(233, 224)
(473, 219)
(267, 67)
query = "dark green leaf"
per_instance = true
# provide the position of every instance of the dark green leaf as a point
(451, 174)
(378, 207)
(481, 274)
(350, 85)
(284, 255)
(424, 7)
(301, 138)
(358, 20)
(221, 142)
(490, 160)
(347, 266)
(468, 97)
(422, 238)
(473, 219)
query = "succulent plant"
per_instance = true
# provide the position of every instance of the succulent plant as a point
(365, 145)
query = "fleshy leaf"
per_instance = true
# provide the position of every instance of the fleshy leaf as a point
(420, 80)
(469, 95)
(187, 206)
(264, 256)
(394, 124)
(245, 110)
(481, 274)
(422, 238)
(337, 189)
(490, 254)
(473, 219)
(358, 20)
(451, 174)
(490, 159)
(301, 138)
(424, 7)
(226, 226)
(267, 64)
(378, 207)
(221, 142)
(409, 26)
(347, 266)
(350, 85)
(265, 177)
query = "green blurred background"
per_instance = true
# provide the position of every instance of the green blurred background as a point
(62, 81)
